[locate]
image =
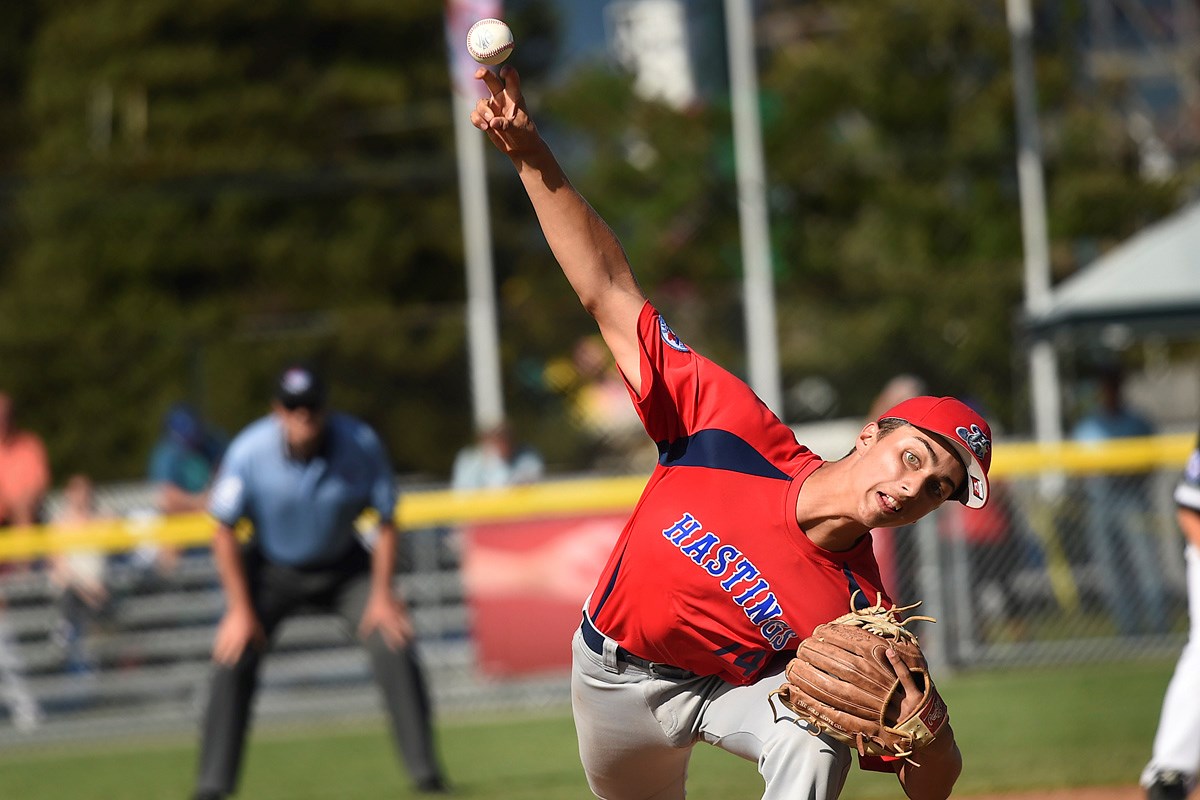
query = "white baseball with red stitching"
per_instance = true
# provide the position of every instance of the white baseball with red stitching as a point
(489, 41)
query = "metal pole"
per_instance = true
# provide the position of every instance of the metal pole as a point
(962, 635)
(931, 583)
(487, 394)
(759, 301)
(1043, 362)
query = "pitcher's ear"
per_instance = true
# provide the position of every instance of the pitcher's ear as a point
(866, 437)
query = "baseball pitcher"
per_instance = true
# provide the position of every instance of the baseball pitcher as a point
(742, 544)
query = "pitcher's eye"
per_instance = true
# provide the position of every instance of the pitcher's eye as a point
(911, 459)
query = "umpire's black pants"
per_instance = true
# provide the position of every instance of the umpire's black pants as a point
(278, 592)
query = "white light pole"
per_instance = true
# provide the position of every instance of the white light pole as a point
(1043, 363)
(759, 302)
(483, 345)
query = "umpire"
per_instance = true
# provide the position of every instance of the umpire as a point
(301, 476)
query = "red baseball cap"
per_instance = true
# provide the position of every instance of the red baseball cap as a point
(963, 428)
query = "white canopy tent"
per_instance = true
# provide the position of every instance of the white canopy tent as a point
(1146, 289)
(1148, 284)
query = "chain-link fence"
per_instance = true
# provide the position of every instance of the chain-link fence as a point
(1088, 567)
(1062, 566)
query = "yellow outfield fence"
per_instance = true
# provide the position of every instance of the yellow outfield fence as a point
(423, 509)
(416, 510)
(1143, 454)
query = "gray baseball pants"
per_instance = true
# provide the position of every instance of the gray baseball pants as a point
(278, 592)
(636, 731)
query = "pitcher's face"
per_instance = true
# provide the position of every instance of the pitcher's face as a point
(907, 472)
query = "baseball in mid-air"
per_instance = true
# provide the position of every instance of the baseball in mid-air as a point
(489, 41)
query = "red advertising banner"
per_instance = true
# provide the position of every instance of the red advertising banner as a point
(526, 582)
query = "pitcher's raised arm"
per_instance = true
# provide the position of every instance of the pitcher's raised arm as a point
(584, 245)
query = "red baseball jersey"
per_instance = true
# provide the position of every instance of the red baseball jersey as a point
(712, 573)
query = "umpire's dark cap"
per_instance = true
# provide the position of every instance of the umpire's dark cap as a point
(300, 387)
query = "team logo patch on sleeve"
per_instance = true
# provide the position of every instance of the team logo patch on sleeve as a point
(669, 336)
(227, 495)
(1191, 472)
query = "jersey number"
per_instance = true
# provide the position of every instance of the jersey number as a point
(748, 662)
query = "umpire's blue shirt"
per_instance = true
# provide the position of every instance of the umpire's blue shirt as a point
(303, 512)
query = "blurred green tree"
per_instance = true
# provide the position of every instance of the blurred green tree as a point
(211, 189)
(894, 154)
(891, 155)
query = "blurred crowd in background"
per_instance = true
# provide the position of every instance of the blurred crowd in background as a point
(179, 469)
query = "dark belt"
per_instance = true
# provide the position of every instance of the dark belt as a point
(594, 639)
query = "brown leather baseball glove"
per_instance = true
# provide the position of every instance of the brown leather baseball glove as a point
(842, 683)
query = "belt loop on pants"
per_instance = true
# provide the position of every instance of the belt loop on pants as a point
(606, 648)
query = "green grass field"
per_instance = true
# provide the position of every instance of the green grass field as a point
(1049, 728)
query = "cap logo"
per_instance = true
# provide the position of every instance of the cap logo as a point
(977, 488)
(975, 439)
(297, 381)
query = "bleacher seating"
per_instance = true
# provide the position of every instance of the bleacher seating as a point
(150, 652)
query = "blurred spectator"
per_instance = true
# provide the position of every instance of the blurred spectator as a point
(181, 467)
(24, 470)
(24, 480)
(495, 460)
(1122, 549)
(896, 548)
(598, 404)
(78, 577)
(900, 388)
(183, 461)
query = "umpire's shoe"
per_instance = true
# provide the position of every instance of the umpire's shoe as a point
(434, 785)
(1168, 786)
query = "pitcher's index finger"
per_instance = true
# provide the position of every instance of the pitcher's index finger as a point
(491, 80)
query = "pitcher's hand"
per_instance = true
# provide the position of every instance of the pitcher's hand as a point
(913, 694)
(503, 115)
